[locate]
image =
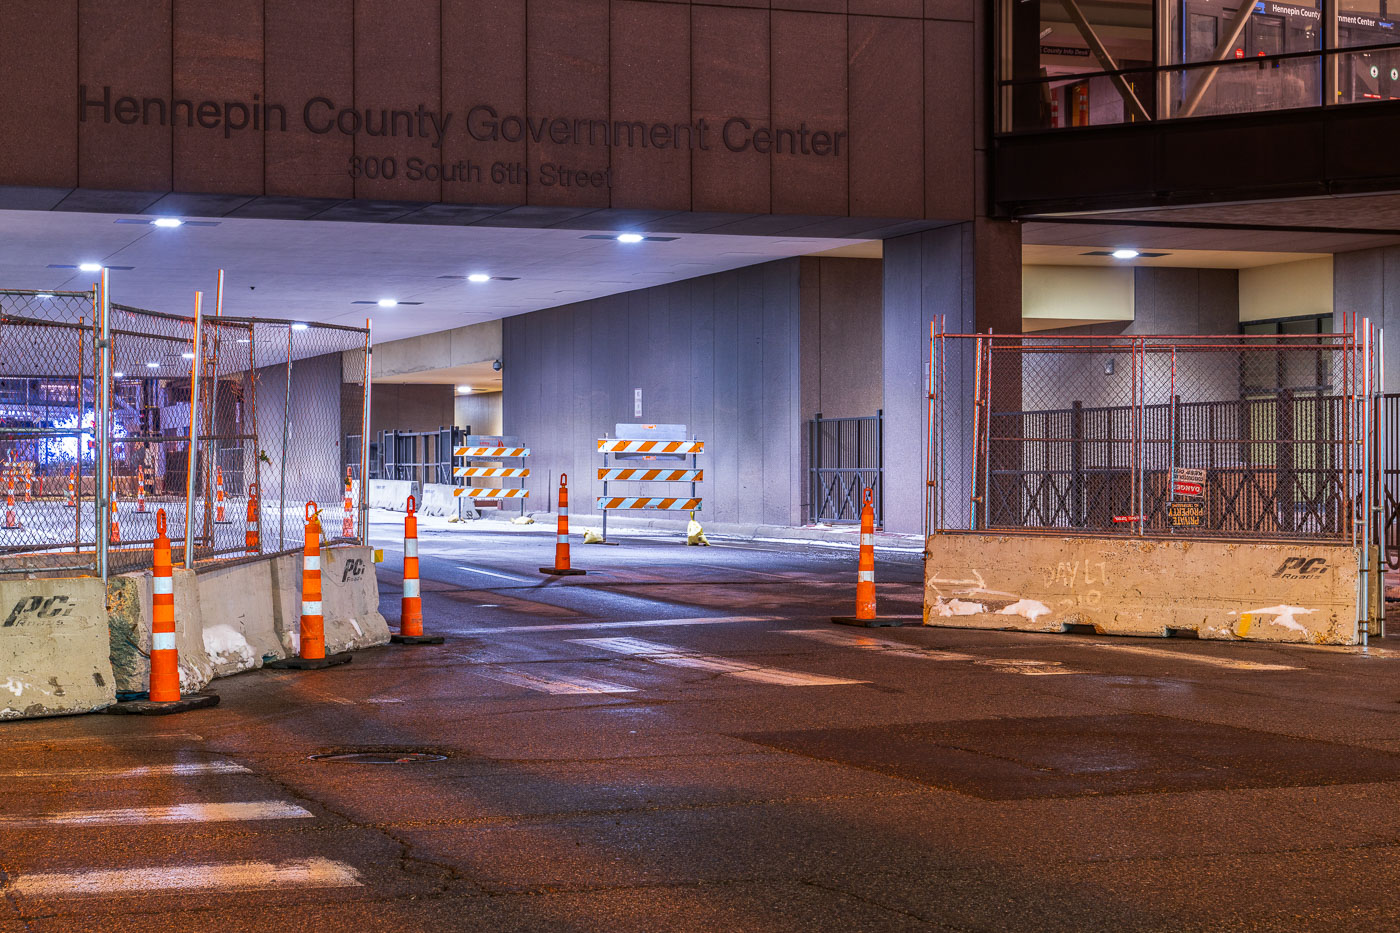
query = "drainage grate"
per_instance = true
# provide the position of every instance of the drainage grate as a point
(377, 758)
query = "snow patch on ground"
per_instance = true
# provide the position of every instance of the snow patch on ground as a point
(1029, 608)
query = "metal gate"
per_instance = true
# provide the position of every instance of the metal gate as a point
(846, 457)
(418, 456)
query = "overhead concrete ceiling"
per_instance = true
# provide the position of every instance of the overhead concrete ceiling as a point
(1112, 231)
(315, 271)
(1033, 254)
(480, 377)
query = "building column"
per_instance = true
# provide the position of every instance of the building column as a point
(970, 272)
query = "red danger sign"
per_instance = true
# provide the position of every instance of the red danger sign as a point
(1188, 489)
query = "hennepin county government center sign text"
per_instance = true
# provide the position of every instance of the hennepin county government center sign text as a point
(483, 123)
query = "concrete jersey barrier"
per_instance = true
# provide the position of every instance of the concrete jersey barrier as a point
(438, 499)
(129, 622)
(1132, 586)
(349, 600)
(390, 494)
(237, 609)
(54, 648)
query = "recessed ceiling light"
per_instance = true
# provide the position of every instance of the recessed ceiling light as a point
(300, 326)
(478, 277)
(187, 356)
(90, 267)
(629, 238)
(388, 303)
(1125, 254)
(167, 222)
(118, 375)
(244, 340)
(464, 390)
(153, 365)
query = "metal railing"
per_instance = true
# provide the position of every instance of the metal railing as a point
(1266, 437)
(419, 456)
(845, 457)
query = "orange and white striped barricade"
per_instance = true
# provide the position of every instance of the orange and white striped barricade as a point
(220, 518)
(164, 693)
(485, 484)
(633, 457)
(561, 566)
(12, 522)
(865, 616)
(311, 655)
(252, 537)
(141, 490)
(411, 612)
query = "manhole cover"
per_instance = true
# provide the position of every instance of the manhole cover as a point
(378, 758)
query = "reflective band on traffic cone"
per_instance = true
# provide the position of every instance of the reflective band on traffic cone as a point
(11, 519)
(865, 571)
(72, 489)
(313, 624)
(219, 518)
(347, 524)
(165, 660)
(251, 538)
(141, 490)
(28, 486)
(561, 566)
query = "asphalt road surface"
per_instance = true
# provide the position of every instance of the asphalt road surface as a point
(682, 741)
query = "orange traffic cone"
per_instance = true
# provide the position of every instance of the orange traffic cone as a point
(219, 517)
(11, 519)
(251, 538)
(164, 696)
(141, 490)
(865, 573)
(116, 532)
(411, 613)
(312, 655)
(28, 486)
(347, 524)
(72, 502)
(561, 566)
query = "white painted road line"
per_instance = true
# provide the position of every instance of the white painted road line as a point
(895, 648)
(900, 650)
(641, 623)
(672, 656)
(176, 813)
(499, 576)
(1230, 663)
(557, 684)
(231, 876)
(176, 770)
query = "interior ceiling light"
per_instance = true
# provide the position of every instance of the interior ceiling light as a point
(300, 326)
(159, 222)
(393, 303)
(153, 365)
(187, 356)
(167, 222)
(630, 238)
(639, 238)
(119, 375)
(464, 390)
(478, 277)
(1136, 254)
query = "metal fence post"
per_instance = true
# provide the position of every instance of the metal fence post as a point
(364, 437)
(879, 468)
(286, 434)
(99, 428)
(195, 372)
